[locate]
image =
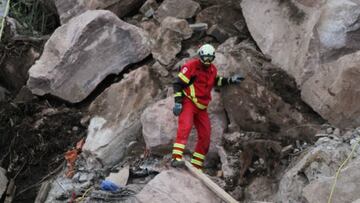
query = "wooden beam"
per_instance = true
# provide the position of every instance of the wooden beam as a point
(210, 184)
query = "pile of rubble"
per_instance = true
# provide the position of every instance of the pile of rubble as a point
(267, 143)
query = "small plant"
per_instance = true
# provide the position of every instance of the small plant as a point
(34, 17)
(4, 9)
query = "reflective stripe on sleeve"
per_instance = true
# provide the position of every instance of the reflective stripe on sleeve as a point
(220, 81)
(184, 78)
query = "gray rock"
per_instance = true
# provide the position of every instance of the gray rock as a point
(168, 42)
(149, 7)
(218, 33)
(159, 125)
(159, 69)
(80, 54)
(224, 17)
(347, 187)
(254, 105)
(261, 188)
(116, 116)
(315, 42)
(183, 9)
(3, 181)
(68, 9)
(317, 162)
(176, 186)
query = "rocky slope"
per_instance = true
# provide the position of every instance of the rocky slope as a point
(278, 137)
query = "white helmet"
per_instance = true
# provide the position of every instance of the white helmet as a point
(207, 54)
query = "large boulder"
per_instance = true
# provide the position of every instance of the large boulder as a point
(265, 102)
(71, 8)
(81, 53)
(3, 181)
(183, 9)
(309, 39)
(347, 186)
(225, 18)
(334, 91)
(176, 186)
(261, 188)
(160, 126)
(168, 41)
(116, 116)
(319, 163)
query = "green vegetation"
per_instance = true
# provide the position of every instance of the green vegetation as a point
(4, 8)
(35, 18)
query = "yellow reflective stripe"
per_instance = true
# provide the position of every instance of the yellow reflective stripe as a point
(198, 155)
(178, 152)
(178, 94)
(197, 162)
(184, 78)
(181, 146)
(200, 106)
(192, 91)
(220, 81)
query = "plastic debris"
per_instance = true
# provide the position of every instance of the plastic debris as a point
(107, 185)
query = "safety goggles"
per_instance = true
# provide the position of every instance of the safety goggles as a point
(207, 58)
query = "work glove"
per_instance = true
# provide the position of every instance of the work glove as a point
(236, 79)
(177, 109)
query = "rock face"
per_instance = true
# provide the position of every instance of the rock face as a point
(347, 188)
(319, 163)
(182, 9)
(257, 105)
(116, 116)
(160, 126)
(262, 188)
(310, 39)
(3, 181)
(72, 8)
(80, 54)
(176, 186)
(223, 18)
(334, 91)
(288, 31)
(169, 38)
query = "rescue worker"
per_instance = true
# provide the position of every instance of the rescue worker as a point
(192, 90)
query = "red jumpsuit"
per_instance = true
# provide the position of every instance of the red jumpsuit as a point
(199, 81)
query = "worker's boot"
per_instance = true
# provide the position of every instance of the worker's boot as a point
(177, 163)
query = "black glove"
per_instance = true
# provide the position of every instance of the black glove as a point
(236, 79)
(177, 109)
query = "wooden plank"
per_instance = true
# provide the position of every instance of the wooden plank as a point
(210, 184)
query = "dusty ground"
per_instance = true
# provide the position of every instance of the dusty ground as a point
(33, 139)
